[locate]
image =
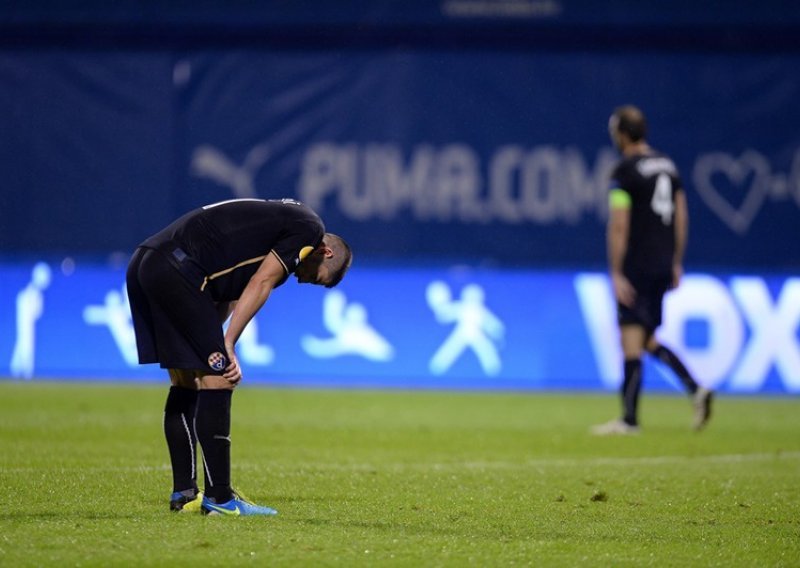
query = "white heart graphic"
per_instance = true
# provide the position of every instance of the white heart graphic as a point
(737, 171)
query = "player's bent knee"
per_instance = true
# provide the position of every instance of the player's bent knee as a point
(184, 378)
(215, 382)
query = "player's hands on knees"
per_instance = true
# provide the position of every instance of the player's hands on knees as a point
(233, 373)
(214, 382)
(623, 289)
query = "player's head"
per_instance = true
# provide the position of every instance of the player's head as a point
(627, 125)
(327, 264)
(341, 260)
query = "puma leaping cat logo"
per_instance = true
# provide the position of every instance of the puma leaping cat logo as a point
(210, 163)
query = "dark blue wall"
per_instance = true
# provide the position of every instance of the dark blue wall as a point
(461, 130)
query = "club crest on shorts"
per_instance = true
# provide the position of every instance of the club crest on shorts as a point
(217, 361)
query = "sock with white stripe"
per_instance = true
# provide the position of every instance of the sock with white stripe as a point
(181, 441)
(213, 430)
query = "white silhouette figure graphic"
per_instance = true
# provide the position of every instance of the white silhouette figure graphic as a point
(476, 327)
(352, 334)
(30, 307)
(250, 350)
(115, 313)
(209, 162)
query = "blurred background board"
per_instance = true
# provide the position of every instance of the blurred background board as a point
(435, 327)
(462, 129)
(461, 141)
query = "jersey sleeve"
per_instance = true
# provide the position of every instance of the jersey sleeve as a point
(619, 196)
(297, 244)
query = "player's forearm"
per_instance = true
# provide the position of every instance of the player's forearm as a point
(616, 255)
(251, 300)
(617, 244)
(680, 247)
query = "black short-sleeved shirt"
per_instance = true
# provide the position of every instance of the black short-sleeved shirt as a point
(651, 182)
(227, 241)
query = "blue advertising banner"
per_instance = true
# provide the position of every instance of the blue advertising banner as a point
(421, 327)
(493, 157)
(85, 151)
(497, 157)
(431, 135)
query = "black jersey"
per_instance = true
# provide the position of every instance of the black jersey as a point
(651, 182)
(227, 241)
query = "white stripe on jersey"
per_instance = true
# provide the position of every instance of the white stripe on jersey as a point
(232, 201)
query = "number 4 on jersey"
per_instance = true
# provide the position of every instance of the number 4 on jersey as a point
(661, 203)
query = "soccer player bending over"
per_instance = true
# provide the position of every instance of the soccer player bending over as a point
(183, 283)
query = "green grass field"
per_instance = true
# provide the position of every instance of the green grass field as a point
(403, 479)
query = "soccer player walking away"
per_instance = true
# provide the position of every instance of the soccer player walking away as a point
(647, 234)
(184, 282)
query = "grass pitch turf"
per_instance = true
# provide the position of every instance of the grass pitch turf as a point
(365, 478)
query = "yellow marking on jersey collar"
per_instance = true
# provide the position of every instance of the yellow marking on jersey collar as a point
(304, 252)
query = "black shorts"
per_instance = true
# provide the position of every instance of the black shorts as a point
(647, 309)
(176, 324)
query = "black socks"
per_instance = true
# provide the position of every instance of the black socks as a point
(631, 387)
(192, 416)
(179, 414)
(671, 360)
(213, 428)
